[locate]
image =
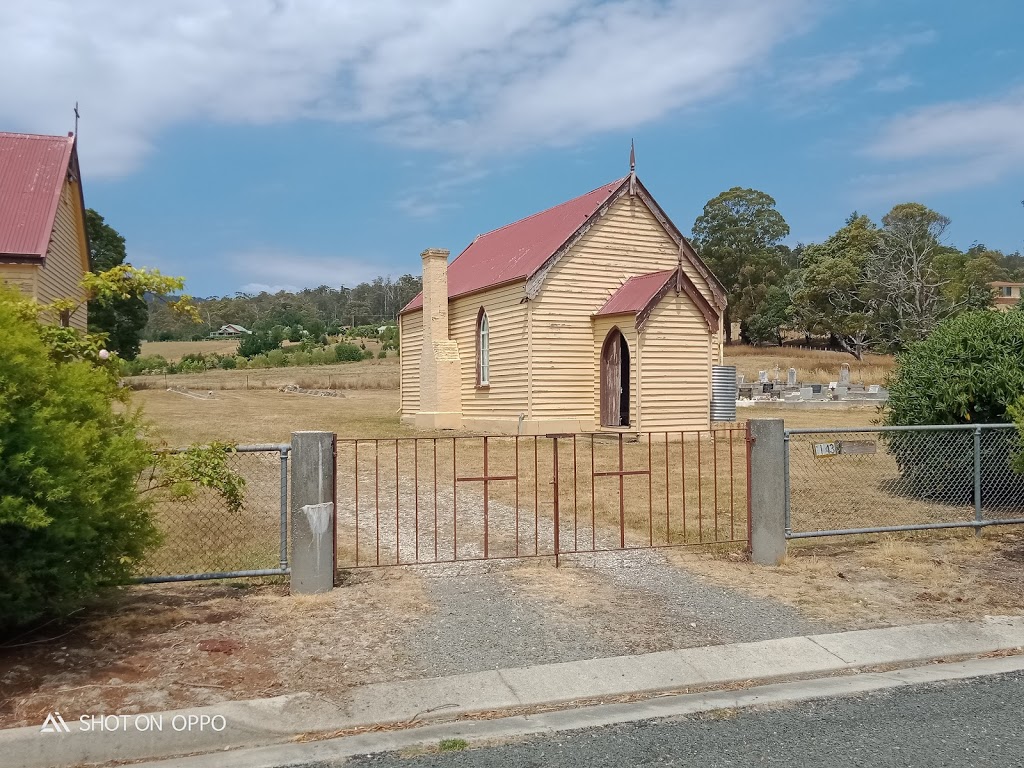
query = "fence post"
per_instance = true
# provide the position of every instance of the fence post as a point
(977, 480)
(767, 491)
(312, 512)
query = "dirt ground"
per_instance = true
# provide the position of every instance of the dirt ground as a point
(858, 582)
(160, 647)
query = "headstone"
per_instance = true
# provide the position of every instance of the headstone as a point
(873, 389)
(841, 392)
(739, 379)
(776, 373)
(816, 389)
(791, 378)
(762, 376)
(806, 392)
(844, 375)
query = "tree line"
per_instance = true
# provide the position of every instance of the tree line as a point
(869, 286)
(875, 286)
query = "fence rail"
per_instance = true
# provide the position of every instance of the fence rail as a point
(427, 500)
(202, 538)
(884, 479)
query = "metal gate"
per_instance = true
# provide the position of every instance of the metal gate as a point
(402, 501)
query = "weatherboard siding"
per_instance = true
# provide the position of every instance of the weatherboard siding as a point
(675, 377)
(626, 241)
(22, 276)
(60, 275)
(410, 338)
(505, 395)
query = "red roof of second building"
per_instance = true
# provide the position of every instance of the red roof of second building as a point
(517, 250)
(636, 293)
(32, 173)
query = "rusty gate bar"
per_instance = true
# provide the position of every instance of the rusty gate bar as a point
(484, 520)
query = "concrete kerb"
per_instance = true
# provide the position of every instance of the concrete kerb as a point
(283, 718)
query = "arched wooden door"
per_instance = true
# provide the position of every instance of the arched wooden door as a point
(615, 380)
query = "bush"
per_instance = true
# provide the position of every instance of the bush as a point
(71, 518)
(344, 353)
(318, 357)
(144, 363)
(259, 361)
(970, 370)
(276, 358)
(228, 363)
(382, 354)
(241, 362)
(300, 358)
(367, 354)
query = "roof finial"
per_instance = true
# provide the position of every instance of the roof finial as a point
(76, 119)
(632, 168)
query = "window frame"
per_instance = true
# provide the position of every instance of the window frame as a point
(483, 350)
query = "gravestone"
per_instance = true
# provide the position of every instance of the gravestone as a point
(807, 392)
(844, 375)
(816, 389)
(841, 392)
(873, 389)
(762, 377)
(739, 379)
(791, 378)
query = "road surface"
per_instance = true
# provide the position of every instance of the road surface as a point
(974, 722)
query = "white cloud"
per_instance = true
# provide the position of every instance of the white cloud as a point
(893, 84)
(273, 270)
(458, 75)
(953, 145)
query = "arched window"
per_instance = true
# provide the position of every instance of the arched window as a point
(483, 350)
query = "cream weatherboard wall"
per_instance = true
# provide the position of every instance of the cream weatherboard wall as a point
(626, 241)
(60, 275)
(21, 275)
(410, 340)
(676, 353)
(504, 398)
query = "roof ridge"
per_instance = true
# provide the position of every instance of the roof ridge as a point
(614, 183)
(51, 137)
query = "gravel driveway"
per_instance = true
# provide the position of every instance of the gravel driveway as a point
(495, 615)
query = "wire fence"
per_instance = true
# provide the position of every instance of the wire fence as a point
(873, 480)
(203, 538)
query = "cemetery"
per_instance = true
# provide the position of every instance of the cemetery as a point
(770, 388)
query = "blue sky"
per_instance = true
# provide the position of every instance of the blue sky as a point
(269, 144)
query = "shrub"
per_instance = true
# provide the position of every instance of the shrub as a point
(970, 370)
(344, 353)
(300, 358)
(228, 363)
(241, 362)
(367, 354)
(144, 363)
(259, 361)
(276, 358)
(71, 518)
(318, 357)
(382, 354)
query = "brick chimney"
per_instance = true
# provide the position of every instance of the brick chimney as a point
(440, 367)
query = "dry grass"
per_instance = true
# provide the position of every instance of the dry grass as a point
(175, 350)
(812, 365)
(268, 416)
(368, 374)
(886, 580)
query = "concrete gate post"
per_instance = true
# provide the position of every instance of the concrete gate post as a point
(312, 512)
(767, 491)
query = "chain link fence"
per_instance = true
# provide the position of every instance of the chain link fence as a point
(873, 480)
(203, 538)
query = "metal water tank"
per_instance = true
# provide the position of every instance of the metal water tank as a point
(723, 393)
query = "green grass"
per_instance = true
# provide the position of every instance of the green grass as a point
(453, 745)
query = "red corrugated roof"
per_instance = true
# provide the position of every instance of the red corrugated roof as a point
(516, 251)
(636, 293)
(32, 173)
